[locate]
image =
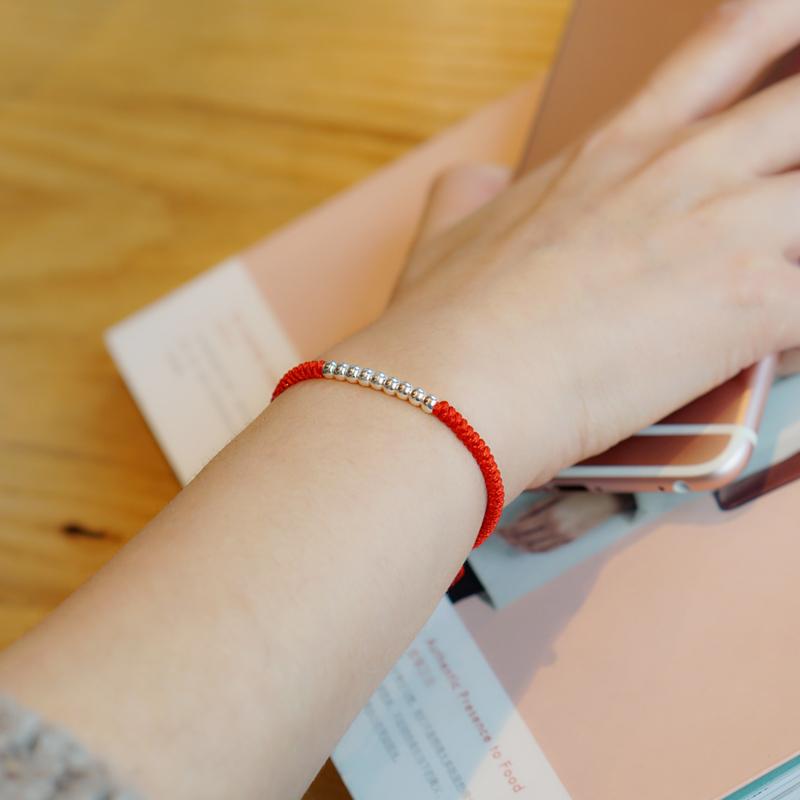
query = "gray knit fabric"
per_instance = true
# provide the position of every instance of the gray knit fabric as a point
(40, 762)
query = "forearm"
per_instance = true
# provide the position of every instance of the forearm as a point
(224, 651)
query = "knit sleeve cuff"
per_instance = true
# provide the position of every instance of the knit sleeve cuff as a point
(41, 762)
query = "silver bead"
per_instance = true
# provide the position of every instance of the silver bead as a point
(404, 390)
(329, 369)
(366, 376)
(429, 402)
(378, 380)
(353, 373)
(392, 385)
(417, 396)
(341, 371)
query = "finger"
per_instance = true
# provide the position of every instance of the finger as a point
(718, 63)
(763, 218)
(760, 232)
(761, 134)
(457, 193)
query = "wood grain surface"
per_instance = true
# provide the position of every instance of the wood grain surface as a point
(143, 141)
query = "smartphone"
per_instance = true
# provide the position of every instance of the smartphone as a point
(608, 50)
(776, 461)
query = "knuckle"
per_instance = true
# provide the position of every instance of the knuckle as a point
(752, 295)
(708, 224)
(747, 283)
(744, 280)
(737, 270)
(746, 277)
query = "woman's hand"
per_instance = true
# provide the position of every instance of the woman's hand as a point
(651, 263)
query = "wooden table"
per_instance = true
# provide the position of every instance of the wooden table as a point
(143, 141)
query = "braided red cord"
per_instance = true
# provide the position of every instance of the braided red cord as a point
(466, 434)
(302, 372)
(483, 455)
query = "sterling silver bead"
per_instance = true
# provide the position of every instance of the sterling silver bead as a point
(329, 369)
(417, 396)
(404, 390)
(393, 385)
(429, 402)
(341, 371)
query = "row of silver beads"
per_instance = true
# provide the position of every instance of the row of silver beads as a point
(380, 382)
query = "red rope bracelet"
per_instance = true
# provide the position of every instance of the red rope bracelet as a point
(440, 409)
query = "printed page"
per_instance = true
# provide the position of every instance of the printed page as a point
(202, 363)
(441, 727)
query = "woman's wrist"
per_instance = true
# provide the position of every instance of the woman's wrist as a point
(453, 370)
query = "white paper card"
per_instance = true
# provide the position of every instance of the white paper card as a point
(202, 363)
(441, 726)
